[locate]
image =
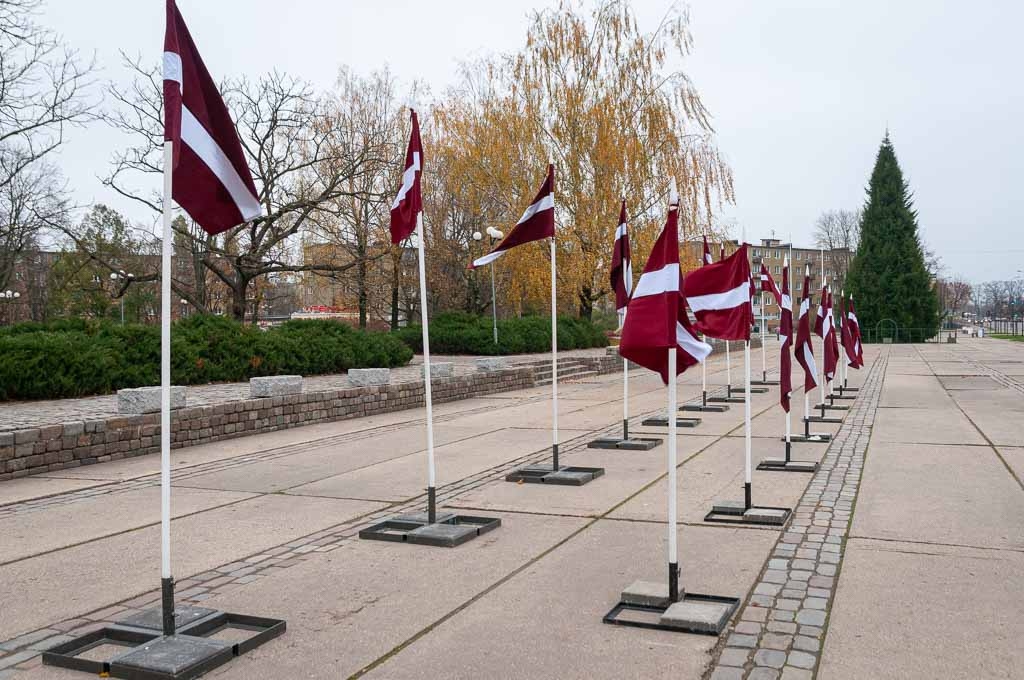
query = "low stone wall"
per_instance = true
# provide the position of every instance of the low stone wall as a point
(68, 445)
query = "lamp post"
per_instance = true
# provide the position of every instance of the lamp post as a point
(184, 308)
(9, 296)
(115, 276)
(495, 235)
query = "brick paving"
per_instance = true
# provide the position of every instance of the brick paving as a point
(781, 627)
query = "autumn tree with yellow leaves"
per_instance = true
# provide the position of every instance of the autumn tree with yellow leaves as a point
(594, 93)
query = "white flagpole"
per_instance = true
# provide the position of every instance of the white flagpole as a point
(728, 371)
(554, 361)
(425, 326)
(625, 390)
(807, 393)
(703, 379)
(167, 247)
(673, 550)
(764, 366)
(746, 423)
(821, 383)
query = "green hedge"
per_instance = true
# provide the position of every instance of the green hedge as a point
(461, 333)
(74, 358)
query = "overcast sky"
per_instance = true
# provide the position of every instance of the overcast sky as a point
(801, 93)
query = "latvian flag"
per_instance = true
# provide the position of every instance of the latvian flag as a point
(409, 201)
(719, 295)
(768, 285)
(786, 338)
(819, 321)
(804, 350)
(707, 252)
(831, 347)
(858, 350)
(210, 178)
(538, 222)
(622, 266)
(657, 319)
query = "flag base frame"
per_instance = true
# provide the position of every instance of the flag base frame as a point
(830, 407)
(448, 531)
(823, 419)
(738, 512)
(764, 382)
(727, 400)
(191, 652)
(833, 397)
(680, 619)
(783, 465)
(565, 475)
(662, 421)
(629, 444)
(753, 390)
(705, 408)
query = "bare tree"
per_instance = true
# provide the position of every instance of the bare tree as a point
(301, 158)
(836, 229)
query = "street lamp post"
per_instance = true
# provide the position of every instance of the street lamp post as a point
(120, 274)
(495, 235)
(8, 296)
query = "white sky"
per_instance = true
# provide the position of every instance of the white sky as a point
(801, 92)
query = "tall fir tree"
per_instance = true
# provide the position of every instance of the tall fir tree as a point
(888, 277)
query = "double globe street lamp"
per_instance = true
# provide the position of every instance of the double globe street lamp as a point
(496, 235)
(115, 276)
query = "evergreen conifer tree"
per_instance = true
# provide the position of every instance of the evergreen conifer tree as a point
(888, 277)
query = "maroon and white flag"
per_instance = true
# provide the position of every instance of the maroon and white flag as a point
(768, 285)
(622, 266)
(804, 350)
(409, 201)
(831, 347)
(819, 320)
(846, 333)
(657, 319)
(858, 349)
(707, 252)
(719, 295)
(537, 222)
(786, 339)
(210, 178)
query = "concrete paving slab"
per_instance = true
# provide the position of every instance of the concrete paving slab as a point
(27, 488)
(1014, 457)
(906, 610)
(939, 494)
(554, 610)
(917, 391)
(74, 581)
(1002, 421)
(41, 531)
(945, 425)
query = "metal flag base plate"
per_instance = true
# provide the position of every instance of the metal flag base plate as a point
(822, 419)
(843, 396)
(631, 444)
(753, 390)
(736, 512)
(705, 408)
(831, 407)
(727, 400)
(782, 465)
(563, 476)
(193, 651)
(812, 438)
(692, 613)
(662, 421)
(448, 531)
(764, 382)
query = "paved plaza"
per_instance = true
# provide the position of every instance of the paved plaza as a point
(903, 558)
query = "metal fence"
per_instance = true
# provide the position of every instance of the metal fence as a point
(891, 334)
(1005, 326)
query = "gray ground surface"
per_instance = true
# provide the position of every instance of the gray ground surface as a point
(929, 547)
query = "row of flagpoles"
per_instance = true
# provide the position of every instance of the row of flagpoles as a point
(206, 173)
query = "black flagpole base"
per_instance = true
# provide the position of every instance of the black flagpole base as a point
(831, 407)
(624, 444)
(753, 390)
(740, 512)
(446, 531)
(167, 605)
(564, 476)
(703, 406)
(787, 464)
(822, 419)
(431, 505)
(662, 421)
(646, 604)
(554, 457)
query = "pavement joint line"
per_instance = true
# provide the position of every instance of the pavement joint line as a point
(936, 544)
(784, 623)
(301, 548)
(1018, 386)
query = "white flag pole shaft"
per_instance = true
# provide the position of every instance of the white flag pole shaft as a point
(703, 379)
(764, 365)
(554, 361)
(673, 549)
(625, 396)
(167, 247)
(746, 424)
(821, 383)
(728, 371)
(425, 326)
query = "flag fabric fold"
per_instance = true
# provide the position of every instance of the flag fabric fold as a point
(210, 178)
(537, 222)
(707, 252)
(768, 285)
(409, 200)
(831, 347)
(719, 295)
(804, 350)
(622, 266)
(819, 320)
(786, 341)
(855, 340)
(657, 319)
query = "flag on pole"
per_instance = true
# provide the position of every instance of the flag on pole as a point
(768, 285)
(707, 252)
(537, 222)
(622, 266)
(831, 347)
(721, 251)
(819, 320)
(858, 350)
(657, 319)
(804, 350)
(786, 339)
(211, 180)
(719, 295)
(846, 333)
(409, 201)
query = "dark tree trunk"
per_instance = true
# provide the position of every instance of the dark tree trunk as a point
(238, 290)
(586, 306)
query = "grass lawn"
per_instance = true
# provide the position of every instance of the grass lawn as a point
(1004, 336)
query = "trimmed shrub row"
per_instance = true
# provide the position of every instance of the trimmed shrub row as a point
(461, 333)
(74, 358)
